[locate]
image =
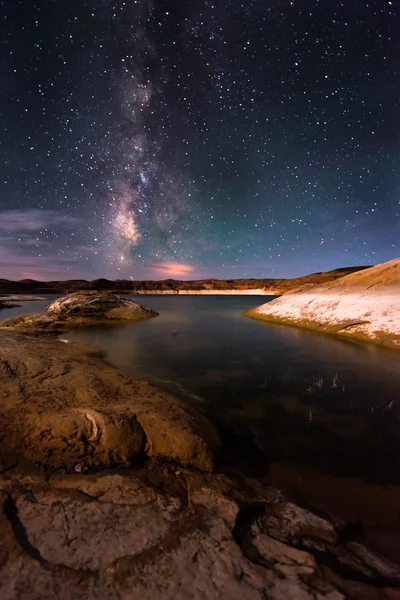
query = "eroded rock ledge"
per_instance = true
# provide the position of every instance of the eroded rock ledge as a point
(65, 408)
(82, 309)
(164, 531)
(175, 534)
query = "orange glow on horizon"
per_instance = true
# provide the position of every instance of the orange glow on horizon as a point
(172, 269)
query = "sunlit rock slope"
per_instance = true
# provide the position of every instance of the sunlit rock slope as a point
(363, 305)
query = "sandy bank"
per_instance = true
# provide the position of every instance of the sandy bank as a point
(364, 305)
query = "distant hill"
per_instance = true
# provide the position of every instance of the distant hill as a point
(273, 286)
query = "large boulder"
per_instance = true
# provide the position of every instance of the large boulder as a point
(81, 309)
(66, 409)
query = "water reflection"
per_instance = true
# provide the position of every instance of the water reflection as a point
(256, 380)
(30, 306)
(205, 342)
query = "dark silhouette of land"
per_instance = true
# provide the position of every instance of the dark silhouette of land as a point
(273, 286)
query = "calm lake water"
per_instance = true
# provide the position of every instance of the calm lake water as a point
(275, 393)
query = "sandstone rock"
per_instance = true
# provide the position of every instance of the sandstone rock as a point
(62, 408)
(82, 309)
(95, 304)
(364, 305)
(273, 551)
(102, 437)
(289, 523)
(160, 533)
(4, 304)
(119, 537)
(368, 564)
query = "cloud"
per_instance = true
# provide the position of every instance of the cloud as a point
(14, 221)
(47, 244)
(172, 269)
(18, 263)
(32, 245)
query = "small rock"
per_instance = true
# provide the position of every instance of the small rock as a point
(291, 524)
(275, 551)
(363, 561)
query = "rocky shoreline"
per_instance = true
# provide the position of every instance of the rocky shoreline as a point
(64, 407)
(110, 488)
(81, 309)
(362, 306)
(163, 531)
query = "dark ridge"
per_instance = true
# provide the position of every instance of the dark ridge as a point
(278, 286)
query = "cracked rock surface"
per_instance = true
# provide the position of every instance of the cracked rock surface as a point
(71, 529)
(65, 408)
(172, 534)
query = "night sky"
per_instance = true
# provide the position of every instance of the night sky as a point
(150, 139)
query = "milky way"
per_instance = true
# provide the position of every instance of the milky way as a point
(153, 139)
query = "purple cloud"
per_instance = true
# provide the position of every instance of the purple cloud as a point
(14, 221)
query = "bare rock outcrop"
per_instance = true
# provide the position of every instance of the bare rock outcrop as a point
(163, 531)
(171, 534)
(65, 408)
(364, 305)
(81, 309)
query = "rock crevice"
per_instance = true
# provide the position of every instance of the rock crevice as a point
(120, 537)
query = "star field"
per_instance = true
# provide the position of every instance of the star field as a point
(153, 139)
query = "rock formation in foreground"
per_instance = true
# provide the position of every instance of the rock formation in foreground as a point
(175, 534)
(80, 309)
(65, 409)
(165, 530)
(364, 305)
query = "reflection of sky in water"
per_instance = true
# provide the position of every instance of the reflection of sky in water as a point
(214, 344)
(205, 343)
(26, 307)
